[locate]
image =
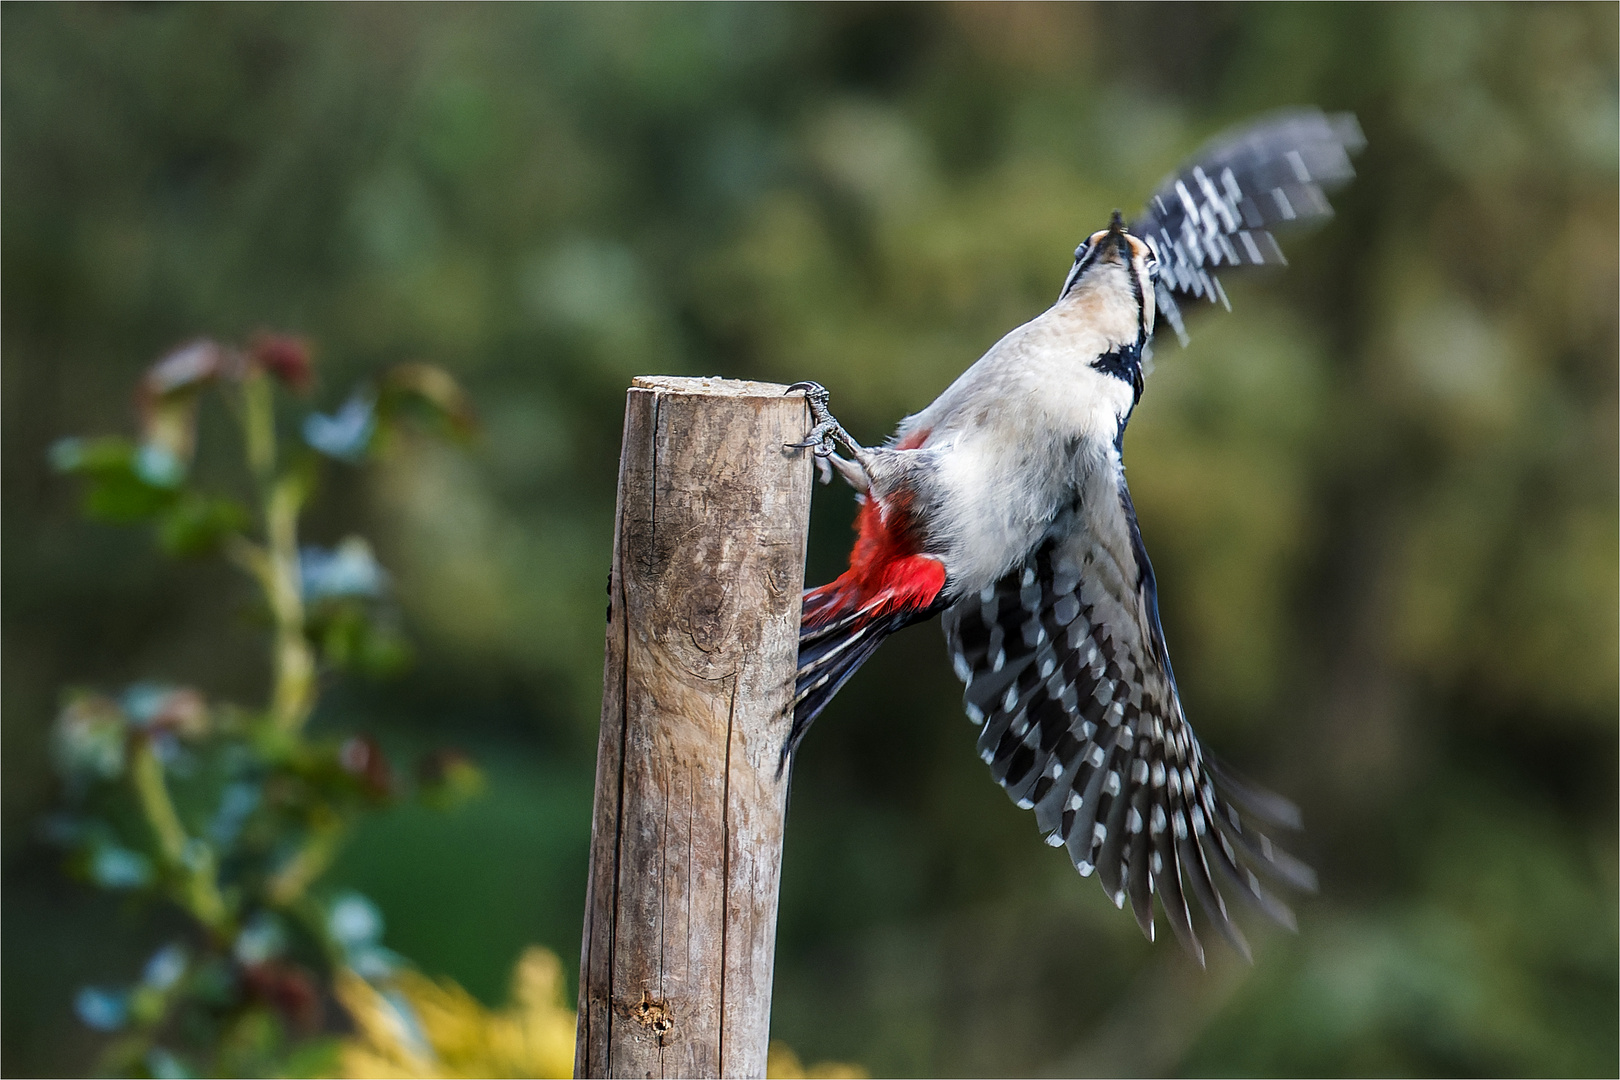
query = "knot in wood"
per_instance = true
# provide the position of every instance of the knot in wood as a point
(705, 616)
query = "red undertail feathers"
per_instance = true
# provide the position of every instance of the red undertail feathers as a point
(886, 574)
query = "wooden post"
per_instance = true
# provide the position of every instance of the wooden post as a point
(702, 644)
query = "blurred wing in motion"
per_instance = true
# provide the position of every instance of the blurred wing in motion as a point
(1067, 674)
(1219, 210)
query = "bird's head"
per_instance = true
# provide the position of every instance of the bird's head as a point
(1117, 272)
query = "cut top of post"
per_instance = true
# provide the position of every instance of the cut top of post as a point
(710, 385)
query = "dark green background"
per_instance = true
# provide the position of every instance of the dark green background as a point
(1380, 495)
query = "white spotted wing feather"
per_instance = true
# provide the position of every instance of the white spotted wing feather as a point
(1068, 679)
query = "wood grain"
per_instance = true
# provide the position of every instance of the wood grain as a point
(702, 644)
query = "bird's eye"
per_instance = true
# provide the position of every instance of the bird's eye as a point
(1080, 251)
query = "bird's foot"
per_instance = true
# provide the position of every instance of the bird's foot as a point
(827, 433)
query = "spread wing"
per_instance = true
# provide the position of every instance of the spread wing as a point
(1067, 675)
(1219, 210)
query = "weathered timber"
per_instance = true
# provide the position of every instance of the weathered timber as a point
(702, 644)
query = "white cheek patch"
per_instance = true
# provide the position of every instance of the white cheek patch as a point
(1145, 280)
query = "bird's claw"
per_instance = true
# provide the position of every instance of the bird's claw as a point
(827, 432)
(820, 439)
(814, 393)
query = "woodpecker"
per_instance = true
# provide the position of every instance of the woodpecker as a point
(1003, 508)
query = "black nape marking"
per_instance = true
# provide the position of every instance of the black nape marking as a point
(1124, 363)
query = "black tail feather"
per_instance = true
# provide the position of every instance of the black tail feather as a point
(829, 654)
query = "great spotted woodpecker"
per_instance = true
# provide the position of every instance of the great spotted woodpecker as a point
(1003, 507)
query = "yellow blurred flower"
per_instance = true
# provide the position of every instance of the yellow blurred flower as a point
(784, 1064)
(412, 1026)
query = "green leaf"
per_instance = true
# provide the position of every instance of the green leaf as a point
(197, 524)
(91, 456)
(123, 483)
(317, 1057)
(447, 778)
(122, 499)
(351, 639)
(428, 394)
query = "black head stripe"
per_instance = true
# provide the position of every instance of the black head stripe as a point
(1084, 256)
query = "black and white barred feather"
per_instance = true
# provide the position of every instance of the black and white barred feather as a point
(1068, 677)
(1219, 212)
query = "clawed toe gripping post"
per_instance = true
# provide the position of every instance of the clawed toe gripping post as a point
(828, 432)
(826, 436)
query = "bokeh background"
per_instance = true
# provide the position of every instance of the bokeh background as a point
(1381, 494)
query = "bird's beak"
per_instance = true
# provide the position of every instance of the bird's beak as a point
(1116, 236)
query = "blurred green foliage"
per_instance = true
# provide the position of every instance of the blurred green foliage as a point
(232, 814)
(1380, 495)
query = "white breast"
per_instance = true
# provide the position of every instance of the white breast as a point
(1015, 439)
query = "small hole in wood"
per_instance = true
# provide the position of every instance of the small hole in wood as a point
(652, 1014)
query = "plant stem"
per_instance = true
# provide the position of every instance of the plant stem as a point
(275, 566)
(259, 425)
(194, 861)
(288, 884)
(147, 772)
(294, 693)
